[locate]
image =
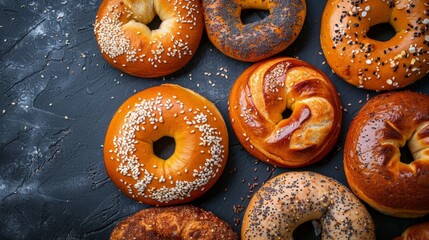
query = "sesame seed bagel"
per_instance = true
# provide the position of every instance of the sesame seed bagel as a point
(201, 145)
(372, 156)
(258, 40)
(178, 222)
(128, 44)
(292, 198)
(416, 232)
(369, 63)
(264, 91)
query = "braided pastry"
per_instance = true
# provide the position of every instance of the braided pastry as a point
(268, 88)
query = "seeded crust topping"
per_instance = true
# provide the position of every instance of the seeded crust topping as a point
(258, 40)
(292, 198)
(373, 64)
(111, 37)
(128, 43)
(148, 114)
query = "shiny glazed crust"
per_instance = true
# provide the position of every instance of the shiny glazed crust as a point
(128, 44)
(258, 40)
(292, 198)
(264, 91)
(179, 222)
(368, 63)
(372, 154)
(201, 145)
(415, 232)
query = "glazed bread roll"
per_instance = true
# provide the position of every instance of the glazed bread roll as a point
(201, 145)
(258, 40)
(179, 222)
(128, 44)
(264, 91)
(416, 232)
(370, 63)
(372, 157)
(292, 198)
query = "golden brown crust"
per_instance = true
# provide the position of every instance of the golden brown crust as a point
(416, 232)
(368, 63)
(179, 222)
(200, 153)
(292, 198)
(264, 91)
(372, 154)
(258, 40)
(130, 46)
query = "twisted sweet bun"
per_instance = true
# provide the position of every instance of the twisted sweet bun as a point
(264, 91)
(201, 145)
(258, 40)
(372, 157)
(128, 44)
(179, 222)
(415, 232)
(292, 198)
(369, 63)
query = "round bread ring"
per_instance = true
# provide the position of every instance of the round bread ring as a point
(200, 153)
(292, 198)
(264, 91)
(372, 154)
(416, 232)
(258, 40)
(128, 44)
(178, 222)
(369, 63)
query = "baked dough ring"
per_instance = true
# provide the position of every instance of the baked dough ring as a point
(258, 40)
(369, 63)
(179, 222)
(416, 232)
(128, 44)
(264, 91)
(292, 198)
(372, 154)
(200, 153)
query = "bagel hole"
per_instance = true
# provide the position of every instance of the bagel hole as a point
(308, 230)
(381, 32)
(286, 113)
(253, 15)
(406, 155)
(164, 147)
(155, 23)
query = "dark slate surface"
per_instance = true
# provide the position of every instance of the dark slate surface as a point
(58, 96)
